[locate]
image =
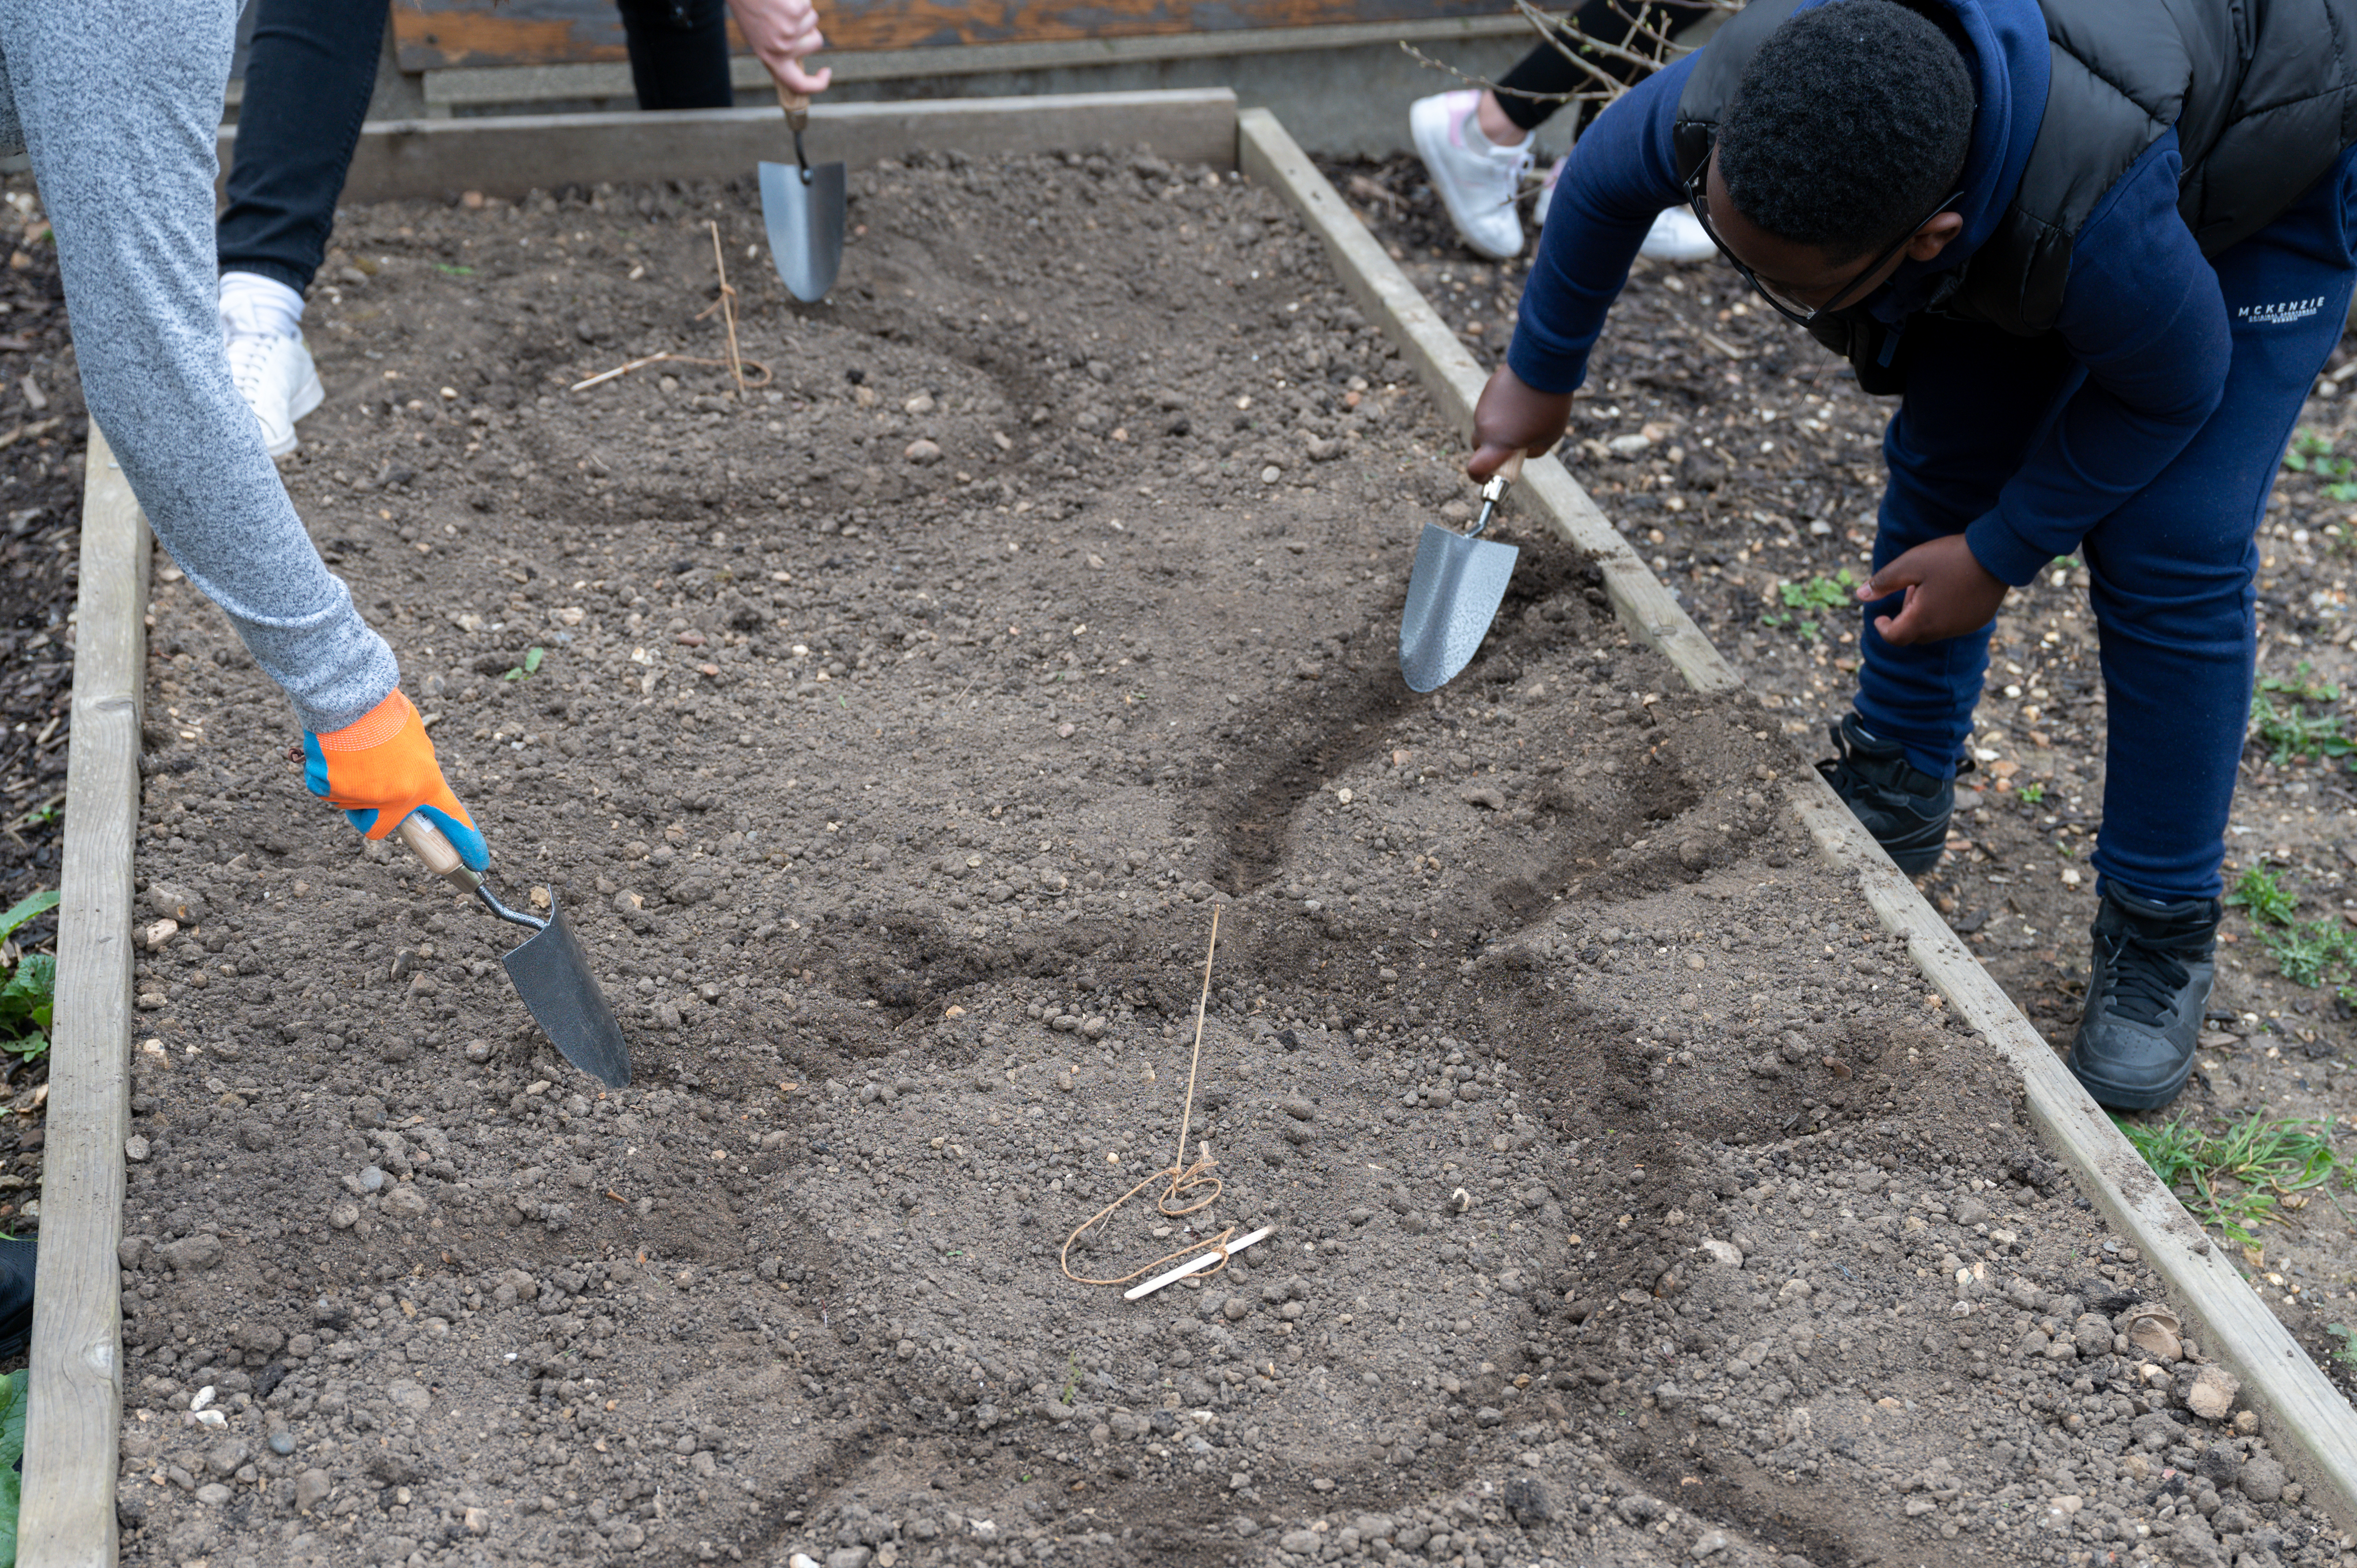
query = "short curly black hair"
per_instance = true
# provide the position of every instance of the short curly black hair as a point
(1851, 121)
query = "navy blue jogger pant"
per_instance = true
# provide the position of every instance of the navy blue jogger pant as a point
(2172, 568)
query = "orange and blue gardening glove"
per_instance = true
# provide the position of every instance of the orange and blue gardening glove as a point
(383, 768)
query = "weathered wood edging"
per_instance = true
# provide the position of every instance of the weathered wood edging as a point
(72, 1424)
(508, 154)
(2306, 1416)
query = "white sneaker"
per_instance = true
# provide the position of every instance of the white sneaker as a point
(275, 372)
(1476, 180)
(1677, 235)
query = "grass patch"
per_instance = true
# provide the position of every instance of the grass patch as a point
(2312, 454)
(2294, 718)
(29, 998)
(2246, 1174)
(2311, 953)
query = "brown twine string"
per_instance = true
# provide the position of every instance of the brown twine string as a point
(1184, 1178)
(728, 310)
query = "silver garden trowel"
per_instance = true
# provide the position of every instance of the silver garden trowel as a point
(1455, 590)
(803, 208)
(550, 971)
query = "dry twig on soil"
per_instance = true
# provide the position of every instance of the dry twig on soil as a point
(1185, 1178)
(727, 310)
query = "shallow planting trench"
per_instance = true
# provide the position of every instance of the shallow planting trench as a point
(891, 735)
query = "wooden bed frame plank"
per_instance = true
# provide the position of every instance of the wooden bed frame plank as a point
(67, 1519)
(508, 155)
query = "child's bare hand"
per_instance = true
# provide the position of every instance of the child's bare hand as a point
(781, 32)
(1511, 418)
(1949, 592)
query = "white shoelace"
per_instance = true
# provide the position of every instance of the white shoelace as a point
(248, 360)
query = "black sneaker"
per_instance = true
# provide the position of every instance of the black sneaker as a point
(2146, 986)
(17, 1258)
(1903, 807)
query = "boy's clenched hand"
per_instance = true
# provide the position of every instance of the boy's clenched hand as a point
(1512, 418)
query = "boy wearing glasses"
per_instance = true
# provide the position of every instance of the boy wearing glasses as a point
(2101, 248)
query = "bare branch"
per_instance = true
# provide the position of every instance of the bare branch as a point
(1613, 67)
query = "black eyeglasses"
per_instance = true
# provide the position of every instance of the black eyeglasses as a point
(1793, 310)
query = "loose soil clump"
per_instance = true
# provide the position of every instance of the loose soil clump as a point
(889, 736)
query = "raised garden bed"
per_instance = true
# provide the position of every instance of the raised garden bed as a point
(891, 735)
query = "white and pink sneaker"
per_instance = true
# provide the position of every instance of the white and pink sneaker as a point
(1477, 179)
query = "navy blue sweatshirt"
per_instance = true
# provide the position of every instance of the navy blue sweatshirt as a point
(2142, 314)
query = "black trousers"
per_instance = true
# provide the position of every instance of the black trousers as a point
(308, 77)
(1544, 70)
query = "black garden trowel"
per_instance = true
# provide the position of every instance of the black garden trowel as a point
(803, 210)
(550, 971)
(1454, 592)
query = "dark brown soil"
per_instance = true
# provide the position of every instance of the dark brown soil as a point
(891, 739)
(41, 442)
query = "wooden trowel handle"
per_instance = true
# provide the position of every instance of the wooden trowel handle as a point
(796, 105)
(1510, 469)
(426, 843)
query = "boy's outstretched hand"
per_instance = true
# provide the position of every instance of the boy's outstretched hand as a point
(1949, 592)
(1511, 418)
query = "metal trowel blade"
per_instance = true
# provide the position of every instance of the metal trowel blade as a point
(553, 975)
(805, 216)
(1452, 596)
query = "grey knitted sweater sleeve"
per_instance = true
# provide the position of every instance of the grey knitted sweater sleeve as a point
(117, 101)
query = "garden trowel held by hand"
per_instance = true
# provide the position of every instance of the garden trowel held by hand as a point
(803, 208)
(550, 971)
(1454, 592)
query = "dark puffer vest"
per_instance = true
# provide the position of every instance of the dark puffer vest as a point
(2262, 94)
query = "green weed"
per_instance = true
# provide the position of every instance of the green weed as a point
(2257, 891)
(1805, 602)
(2291, 733)
(2312, 454)
(2347, 1354)
(1072, 1380)
(2289, 729)
(2314, 953)
(2246, 1174)
(12, 1452)
(2035, 794)
(1819, 593)
(29, 997)
(530, 667)
(2311, 953)
(2302, 686)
